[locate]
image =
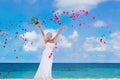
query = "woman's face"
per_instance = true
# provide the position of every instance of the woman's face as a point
(49, 36)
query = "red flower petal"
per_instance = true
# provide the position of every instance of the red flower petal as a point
(0, 73)
(16, 32)
(8, 72)
(16, 57)
(4, 46)
(14, 50)
(56, 17)
(93, 17)
(72, 10)
(86, 13)
(80, 24)
(104, 42)
(103, 35)
(101, 40)
(5, 77)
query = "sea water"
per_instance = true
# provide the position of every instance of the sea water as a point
(62, 70)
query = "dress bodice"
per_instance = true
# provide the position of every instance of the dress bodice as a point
(50, 46)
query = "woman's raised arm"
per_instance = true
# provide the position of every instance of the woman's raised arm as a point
(43, 34)
(58, 33)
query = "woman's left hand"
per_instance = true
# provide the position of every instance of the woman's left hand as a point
(36, 22)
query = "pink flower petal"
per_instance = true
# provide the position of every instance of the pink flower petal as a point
(16, 32)
(101, 40)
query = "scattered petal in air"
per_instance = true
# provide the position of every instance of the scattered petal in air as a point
(101, 40)
(16, 57)
(83, 10)
(0, 30)
(14, 50)
(80, 24)
(93, 17)
(56, 17)
(16, 32)
(4, 46)
(31, 42)
(55, 45)
(17, 67)
(0, 73)
(72, 26)
(104, 42)
(72, 10)
(5, 42)
(61, 39)
(86, 13)
(65, 13)
(12, 65)
(50, 55)
(20, 21)
(103, 35)
(5, 77)
(8, 72)
(110, 31)
(53, 11)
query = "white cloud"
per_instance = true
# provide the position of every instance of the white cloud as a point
(112, 45)
(99, 24)
(74, 36)
(38, 42)
(64, 43)
(101, 55)
(93, 44)
(74, 55)
(115, 35)
(77, 55)
(115, 43)
(69, 5)
(32, 37)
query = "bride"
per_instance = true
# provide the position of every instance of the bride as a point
(45, 67)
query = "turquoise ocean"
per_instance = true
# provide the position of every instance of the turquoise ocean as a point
(62, 70)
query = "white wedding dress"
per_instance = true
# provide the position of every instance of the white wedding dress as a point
(45, 67)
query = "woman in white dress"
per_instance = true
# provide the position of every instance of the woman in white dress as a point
(44, 70)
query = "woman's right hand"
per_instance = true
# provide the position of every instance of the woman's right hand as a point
(63, 27)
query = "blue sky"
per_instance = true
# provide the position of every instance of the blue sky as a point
(78, 44)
